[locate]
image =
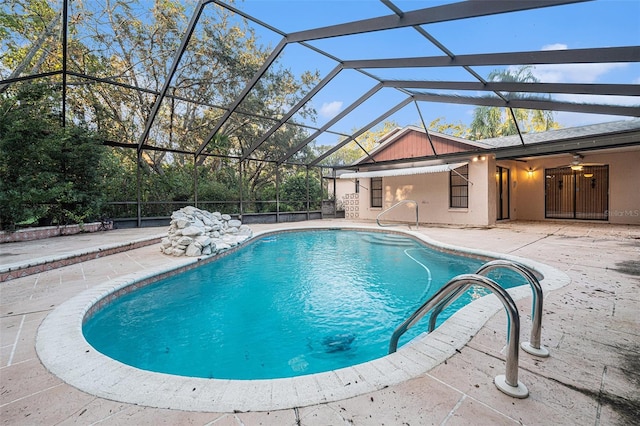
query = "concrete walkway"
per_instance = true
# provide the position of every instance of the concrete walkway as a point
(591, 327)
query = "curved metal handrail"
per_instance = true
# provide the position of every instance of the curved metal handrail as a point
(393, 207)
(533, 346)
(507, 383)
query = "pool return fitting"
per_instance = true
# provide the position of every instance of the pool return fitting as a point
(507, 383)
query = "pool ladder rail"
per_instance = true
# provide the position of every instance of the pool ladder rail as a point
(393, 207)
(507, 383)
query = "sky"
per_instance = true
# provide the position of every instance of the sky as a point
(603, 23)
(591, 24)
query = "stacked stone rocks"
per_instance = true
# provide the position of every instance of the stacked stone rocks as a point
(194, 232)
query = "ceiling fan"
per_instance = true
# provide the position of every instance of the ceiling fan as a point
(577, 164)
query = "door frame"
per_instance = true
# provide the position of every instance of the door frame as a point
(503, 192)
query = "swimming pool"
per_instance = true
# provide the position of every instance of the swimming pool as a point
(285, 305)
(64, 351)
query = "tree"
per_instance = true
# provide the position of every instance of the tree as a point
(132, 45)
(491, 122)
(48, 174)
(222, 55)
(29, 39)
(293, 192)
(353, 151)
(454, 129)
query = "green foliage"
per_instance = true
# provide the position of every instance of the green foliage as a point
(134, 42)
(48, 173)
(293, 192)
(492, 122)
(352, 151)
(454, 129)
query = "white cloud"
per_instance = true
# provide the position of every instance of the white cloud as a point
(581, 73)
(555, 46)
(572, 73)
(330, 109)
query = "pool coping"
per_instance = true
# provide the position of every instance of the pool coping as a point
(63, 350)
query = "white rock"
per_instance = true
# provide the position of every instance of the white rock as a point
(203, 240)
(185, 241)
(190, 210)
(193, 250)
(192, 231)
(245, 231)
(177, 252)
(222, 245)
(182, 223)
(196, 232)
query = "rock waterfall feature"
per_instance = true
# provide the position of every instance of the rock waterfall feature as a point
(194, 232)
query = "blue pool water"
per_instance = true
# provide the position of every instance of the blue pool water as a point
(285, 305)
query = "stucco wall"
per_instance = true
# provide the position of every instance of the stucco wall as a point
(624, 185)
(343, 187)
(526, 191)
(431, 191)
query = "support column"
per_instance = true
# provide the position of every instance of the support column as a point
(277, 193)
(195, 180)
(139, 191)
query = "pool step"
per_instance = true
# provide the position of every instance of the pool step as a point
(389, 240)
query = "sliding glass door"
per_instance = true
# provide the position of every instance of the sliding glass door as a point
(577, 194)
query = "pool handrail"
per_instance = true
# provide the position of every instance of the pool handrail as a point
(507, 383)
(533, 346)
(393, 207)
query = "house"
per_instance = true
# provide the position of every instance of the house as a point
(582, 173)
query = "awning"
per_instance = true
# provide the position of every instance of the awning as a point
(403, 172)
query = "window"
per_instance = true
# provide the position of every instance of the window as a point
(376, 192)
(459, 188)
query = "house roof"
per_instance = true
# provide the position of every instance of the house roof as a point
(594, 136)
(399, 133)
(600, 129)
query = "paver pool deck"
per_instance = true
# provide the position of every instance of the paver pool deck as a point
(591, 327)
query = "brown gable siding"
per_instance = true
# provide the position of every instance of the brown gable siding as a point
(416, 144)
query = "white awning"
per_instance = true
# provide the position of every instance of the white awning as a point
(403, 172)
